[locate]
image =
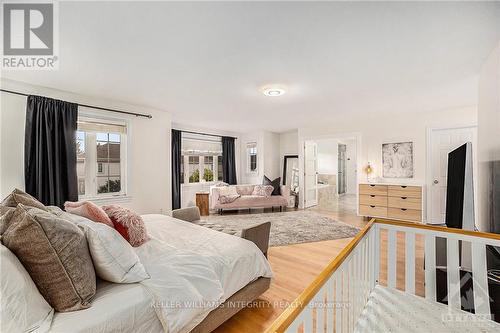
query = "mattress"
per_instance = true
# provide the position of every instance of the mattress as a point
(390, 310)
(115, 308)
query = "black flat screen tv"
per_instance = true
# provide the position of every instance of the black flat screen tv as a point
(460, 189)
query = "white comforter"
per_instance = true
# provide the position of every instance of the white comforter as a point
(193, 269)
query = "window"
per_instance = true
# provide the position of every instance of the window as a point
(208, 168)
(193, 169)
(201, 159)
(101, 158)
(252, 157)
(220, 176)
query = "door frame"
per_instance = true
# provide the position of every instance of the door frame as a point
(340, 136)
(315, 144)
(428, 166)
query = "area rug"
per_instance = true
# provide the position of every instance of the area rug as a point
(287, 227)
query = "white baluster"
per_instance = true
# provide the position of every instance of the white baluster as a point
(330, 300)
(453, 273)
(480, 280)
(430, 267)
(376, 255)
(338, 304)
(410, 263)
(391, 258)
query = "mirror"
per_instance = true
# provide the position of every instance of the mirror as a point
(291, 172)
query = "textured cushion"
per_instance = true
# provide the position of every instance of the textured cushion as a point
(263, 190)
(128, 224)
(244, 189)
(23, 308)
(275, 184)
(88, 210)
(224, 199)
(228, 191)
(54, 251)
(6, 213)
(20, 197)
(114, 259)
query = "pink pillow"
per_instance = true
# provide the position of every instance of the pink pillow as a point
(88, 210)
(263, 190)
(128, 224)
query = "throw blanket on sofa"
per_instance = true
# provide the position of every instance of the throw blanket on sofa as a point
(193, 269)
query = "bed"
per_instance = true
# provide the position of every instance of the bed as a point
(194, 272)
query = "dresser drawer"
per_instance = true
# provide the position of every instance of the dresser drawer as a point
(370, 189)
(372, 199)
(405, 202)
(405, 191)
(405, 214)
(372, 210)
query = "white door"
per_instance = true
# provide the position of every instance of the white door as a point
(441, 142)
(311, 173)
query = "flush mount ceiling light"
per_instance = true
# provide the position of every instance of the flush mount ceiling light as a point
(273, 92)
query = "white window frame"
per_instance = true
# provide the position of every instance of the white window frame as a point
(91, 168)
(201, 164)
(249, 147)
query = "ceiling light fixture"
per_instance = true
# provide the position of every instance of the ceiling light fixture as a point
(273, 92)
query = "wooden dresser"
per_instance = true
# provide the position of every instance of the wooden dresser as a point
(393, 201)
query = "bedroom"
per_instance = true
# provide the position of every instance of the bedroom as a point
(236, 92)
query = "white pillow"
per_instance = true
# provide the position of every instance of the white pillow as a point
(22, 307)
(227, 191)
(114, 258)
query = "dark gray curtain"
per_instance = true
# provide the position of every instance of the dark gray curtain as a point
(176, 168)
(228, 160)
(50, 150)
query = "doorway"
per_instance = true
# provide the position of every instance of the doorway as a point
(331, 180)
(341, 176)
(440, 143)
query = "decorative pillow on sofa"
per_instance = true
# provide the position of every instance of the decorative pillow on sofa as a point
(275, 184)
(88, 210)
(228, 194)
(20, 197)
(114, 259)
(128, 224)
(263, 190)
(23, 308)
(55, 253)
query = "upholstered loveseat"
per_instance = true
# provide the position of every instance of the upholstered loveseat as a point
(247, 200)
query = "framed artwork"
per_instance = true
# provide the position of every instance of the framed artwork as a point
(397, 160)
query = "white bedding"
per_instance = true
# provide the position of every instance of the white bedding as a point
(115, 308)
(193, 269)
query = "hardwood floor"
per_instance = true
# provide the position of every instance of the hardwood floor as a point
(296, 266)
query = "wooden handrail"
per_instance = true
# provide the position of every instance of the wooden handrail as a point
(288, 316)
(440, 229)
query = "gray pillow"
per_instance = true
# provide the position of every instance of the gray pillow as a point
(55, 253)
(20, 197)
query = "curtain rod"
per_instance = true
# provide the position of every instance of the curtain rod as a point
(89, 106)
(201, 133)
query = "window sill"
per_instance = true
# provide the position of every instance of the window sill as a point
(104, 200)
(198, 184)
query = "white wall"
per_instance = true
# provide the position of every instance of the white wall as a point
(268, 156)
(271, 155)
(371, 130)
(328, 160)
(289, 145)
(149, 176)
(489, 144)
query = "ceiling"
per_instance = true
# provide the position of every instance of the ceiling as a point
(206, 62)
